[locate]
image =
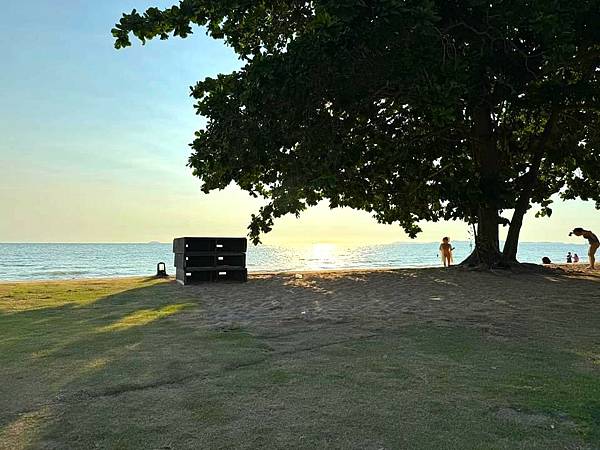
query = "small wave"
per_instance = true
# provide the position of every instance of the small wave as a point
(59, 273)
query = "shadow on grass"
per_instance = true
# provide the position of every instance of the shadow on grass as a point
(52, 330)
(103, 347)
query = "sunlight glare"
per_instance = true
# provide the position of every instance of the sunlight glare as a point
(322, 256)
(144, 317)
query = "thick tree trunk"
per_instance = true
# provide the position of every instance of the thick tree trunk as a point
(487, 241)
(487, 247)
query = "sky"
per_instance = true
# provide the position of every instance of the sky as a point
(94, 141)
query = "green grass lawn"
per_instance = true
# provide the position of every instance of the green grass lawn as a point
(135, 363)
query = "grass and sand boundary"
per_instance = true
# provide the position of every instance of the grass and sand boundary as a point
(412, 358)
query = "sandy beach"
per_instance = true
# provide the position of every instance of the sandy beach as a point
(499, 304)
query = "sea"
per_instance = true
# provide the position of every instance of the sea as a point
(73, 261)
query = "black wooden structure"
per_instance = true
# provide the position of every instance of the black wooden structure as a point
(210, 259)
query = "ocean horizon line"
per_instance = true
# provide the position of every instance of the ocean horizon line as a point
(272, 245)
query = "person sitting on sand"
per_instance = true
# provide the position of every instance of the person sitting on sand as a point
(446, 252)
(593, 241)
(575, 258)
(546, 260)
(569, 258)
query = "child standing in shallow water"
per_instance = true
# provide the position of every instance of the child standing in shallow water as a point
(446, 252)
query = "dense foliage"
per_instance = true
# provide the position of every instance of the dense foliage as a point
(410, 109)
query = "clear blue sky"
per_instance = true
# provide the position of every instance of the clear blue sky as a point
(94, 141)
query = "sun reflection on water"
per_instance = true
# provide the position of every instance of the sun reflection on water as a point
(322, 256)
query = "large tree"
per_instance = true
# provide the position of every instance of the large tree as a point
(409, 109)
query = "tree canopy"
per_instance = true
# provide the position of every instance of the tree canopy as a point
(409, 109)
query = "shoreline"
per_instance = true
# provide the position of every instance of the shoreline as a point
(37, 263)
(579, 268)
(250, 274)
